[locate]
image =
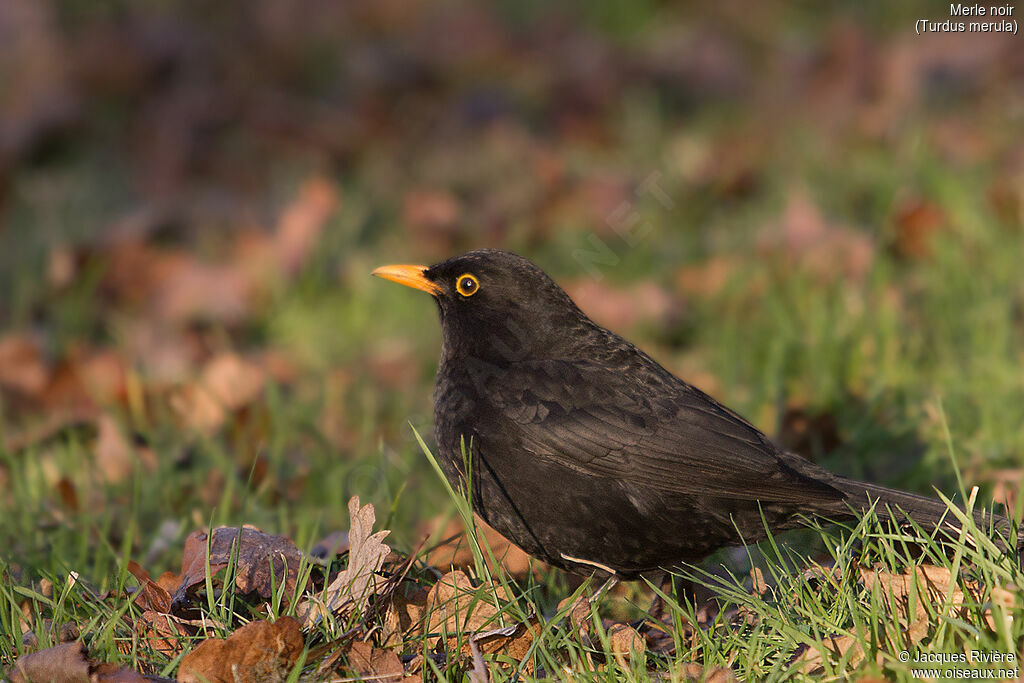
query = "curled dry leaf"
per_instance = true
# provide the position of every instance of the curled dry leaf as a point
(353, 587)
(151, 594)
(258, 652)
(264, 561)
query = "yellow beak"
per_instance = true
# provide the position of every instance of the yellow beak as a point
(410, 276)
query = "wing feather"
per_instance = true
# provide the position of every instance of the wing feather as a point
(584, 416)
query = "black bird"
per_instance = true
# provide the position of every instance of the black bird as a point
(586, 453)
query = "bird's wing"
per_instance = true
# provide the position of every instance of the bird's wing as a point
(648, 428)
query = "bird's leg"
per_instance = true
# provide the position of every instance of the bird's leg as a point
(609, 584)
(681, 588)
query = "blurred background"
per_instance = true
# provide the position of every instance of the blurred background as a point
(812, 213)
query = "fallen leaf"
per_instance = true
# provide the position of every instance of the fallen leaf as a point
(812, 658)
(758, 584)
(264, 562)
(404, 618)
(151, 594)
(455, 606)
(259, 651)
(67, 663)
(931, 590)
(22, 366)
(233, 381)
(692, 671)
(375, 663)
(579, 615)
(165, 633)
(187, 289)
(625, 643)
(459, 554)
(227, 383)
(301, 223)
(115, 457)
(352, 588)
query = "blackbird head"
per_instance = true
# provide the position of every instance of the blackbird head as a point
(495, 305)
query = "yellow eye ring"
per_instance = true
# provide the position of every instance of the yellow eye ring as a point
(467, 285)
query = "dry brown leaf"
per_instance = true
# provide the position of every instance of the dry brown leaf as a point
(67, 663)
(758, 584)
(259, 651)
(233, 381)
(511, 641)
(115, 457)
(227, 383)
(302, 222)
(812, 659)
(930, 589)
(458, 553)
(186, 289)
(455, 606)
(374, 662)
(579, 615)
(624, 642)
(108, 672)
(404, 617)
(933, 585)
(22, 366)
(692, 671)
(164, 632)
(354, 586)
(464, 613)
(264, 561)
(151, 594)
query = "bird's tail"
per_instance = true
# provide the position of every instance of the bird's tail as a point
(928, 513)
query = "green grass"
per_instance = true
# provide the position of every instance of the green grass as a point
(886, 366)
(916, 358)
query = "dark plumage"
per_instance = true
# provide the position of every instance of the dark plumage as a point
(586, 452)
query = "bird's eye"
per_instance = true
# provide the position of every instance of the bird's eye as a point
(467, 285)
